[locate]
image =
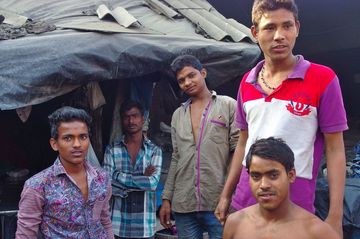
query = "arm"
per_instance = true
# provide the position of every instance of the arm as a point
(144, 182)
(164, 213)
(109, 164)
(30, 213)
(105, 213)
(222, 208)
(320, 230)
(168, 191)
(139, 182)
(229, 227)
(335, 158)
(233, 129)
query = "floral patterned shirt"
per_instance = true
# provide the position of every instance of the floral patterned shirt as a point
(52, 201)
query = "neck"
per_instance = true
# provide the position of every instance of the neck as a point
(134, 138)
(204, 96)
(280, 66)
(283, 211)
(73, 169)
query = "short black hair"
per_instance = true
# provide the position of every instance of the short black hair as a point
(260, 7)
(128, 105)
(185, 60)
(272, 149)
(67, 114)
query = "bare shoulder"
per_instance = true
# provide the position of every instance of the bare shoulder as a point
(236, 222)
(319, 229)
(236, 217)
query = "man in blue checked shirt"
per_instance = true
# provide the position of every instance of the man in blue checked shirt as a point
(134, 164)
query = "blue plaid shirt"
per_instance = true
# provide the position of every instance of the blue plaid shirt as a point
(133, 204)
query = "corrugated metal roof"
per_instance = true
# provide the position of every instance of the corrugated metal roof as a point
(153, 16)
(202, 14)
(161, 8)
(39, 67)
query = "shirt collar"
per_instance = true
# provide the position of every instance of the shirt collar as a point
(59, 168)
(187, 103)
(298, 72)
(146, 141)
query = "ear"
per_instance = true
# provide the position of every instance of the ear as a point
(53, 144)
(254, 31)
(143, 120)
(203, 73)
(297, 24)
(292, 175)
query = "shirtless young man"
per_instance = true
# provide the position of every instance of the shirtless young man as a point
(288, 97)
(270, 163)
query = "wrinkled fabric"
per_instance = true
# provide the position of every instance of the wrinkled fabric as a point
(133, 205)
(197, 171)
(52, 201)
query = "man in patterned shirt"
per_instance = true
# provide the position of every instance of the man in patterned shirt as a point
(134, 164)
(70, 199)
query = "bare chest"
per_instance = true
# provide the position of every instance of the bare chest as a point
(276, 231)
(81, 182)
(133, 150)
(196, 116)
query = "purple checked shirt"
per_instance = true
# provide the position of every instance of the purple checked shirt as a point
(52, 201)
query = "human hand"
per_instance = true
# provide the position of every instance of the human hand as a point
(164, 214)
(336, 224)
(150, 170)
(222, 209)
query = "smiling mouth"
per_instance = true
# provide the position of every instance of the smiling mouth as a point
(77, 153)
(266, 196)
(190, 89)
(279, 47)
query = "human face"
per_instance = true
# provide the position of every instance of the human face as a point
(132, 121)
(276, 34)
(270, 182)
(72, 143)
(191, 81)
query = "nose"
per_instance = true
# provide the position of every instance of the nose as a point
(131, 120)
(264, 184)
(77, 142)
(279, 34)
(187, 81)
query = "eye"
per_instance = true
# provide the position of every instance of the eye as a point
(287, 26)
(192, 75)
(67, 138)
(84, 137)
(269, 28)
(137, 115)
(274, 175)
(180, 81)
(255, 176)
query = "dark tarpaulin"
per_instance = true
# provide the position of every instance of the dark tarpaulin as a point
(39, 67)
(351, 219)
